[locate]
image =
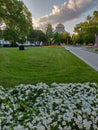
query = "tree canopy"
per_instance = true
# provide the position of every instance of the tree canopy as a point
(85, 31)
(49, 33)
(37, 35)
(17, 19)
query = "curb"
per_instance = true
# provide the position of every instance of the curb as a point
(82, 59)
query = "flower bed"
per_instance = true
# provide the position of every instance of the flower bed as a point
(54, 107)
(89, 47)
(55, 46)
(93, 49)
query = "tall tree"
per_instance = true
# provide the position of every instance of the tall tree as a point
(17, 19)
(49, 32)
(56, 38)
(86, 30)
(65, 38)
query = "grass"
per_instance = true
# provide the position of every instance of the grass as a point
(96, 49)
(42, 65)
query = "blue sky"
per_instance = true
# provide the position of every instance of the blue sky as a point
(67, 12)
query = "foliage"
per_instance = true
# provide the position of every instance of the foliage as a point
(57, 39)
(37, 35)
(49, 30)
(55, 107)
(65, 38)
(62, 38)
(86, 30)
(1, 34)
(49, 33)
(17, 19)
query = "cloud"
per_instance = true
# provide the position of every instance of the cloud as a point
(70, 10)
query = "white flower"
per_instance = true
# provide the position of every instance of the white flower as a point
(49, 120)
(76, 121)
(95, 127)
(67, 128)
(54, 123)
(60, 128)
(2, 106)
(64, 117)
(19, 127)
(96, 120)
(56, 105)
(87, 124)
(58, 101)
(70, 114)
(94, 113)
(6, 128)
(30, 125)
(40, 128)
(64, 123)
(79, 118)
(9, 118)
(59, 117)
(80, 126)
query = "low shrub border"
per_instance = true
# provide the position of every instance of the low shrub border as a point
(55, 107)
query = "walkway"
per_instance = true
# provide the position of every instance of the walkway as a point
(88, 57)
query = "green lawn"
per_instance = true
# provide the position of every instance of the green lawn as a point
(42, 65)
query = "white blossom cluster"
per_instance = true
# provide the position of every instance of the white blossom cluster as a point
(55, 107)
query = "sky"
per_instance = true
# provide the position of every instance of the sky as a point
(67, 12)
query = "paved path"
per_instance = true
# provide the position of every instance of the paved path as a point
(89, 57)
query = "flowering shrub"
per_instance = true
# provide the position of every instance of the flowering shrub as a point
(55, 107)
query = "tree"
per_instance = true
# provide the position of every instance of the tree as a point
(49, 33)
(17, 19)
(65, 38)
(74, 39)
(37, 35)
(86, 30)
(89, 18)
(57, 38)
(1, 34)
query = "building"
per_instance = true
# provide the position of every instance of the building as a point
(60, 28)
